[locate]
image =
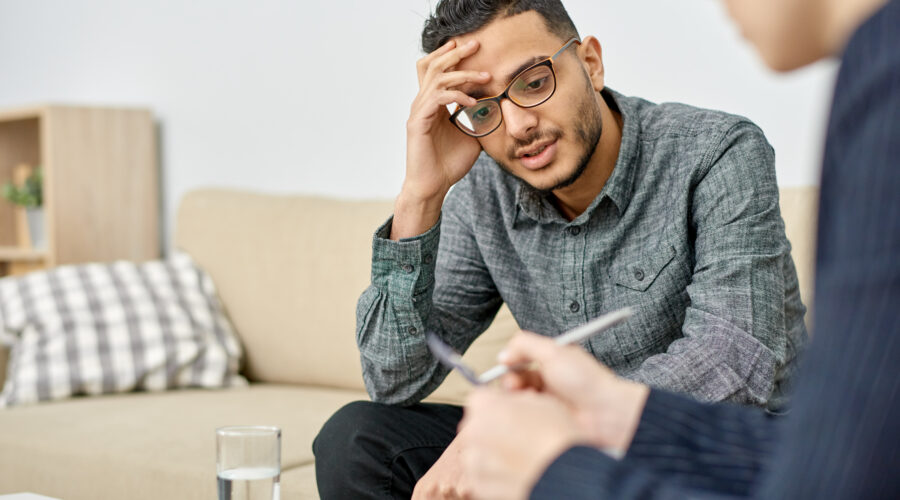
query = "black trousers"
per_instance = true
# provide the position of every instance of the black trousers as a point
(372, 450)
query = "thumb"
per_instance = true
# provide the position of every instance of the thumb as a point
(526, 347)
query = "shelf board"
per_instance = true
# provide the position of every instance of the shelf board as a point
(22, 113)
(16, 254)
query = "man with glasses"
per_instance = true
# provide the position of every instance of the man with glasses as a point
(569, 200)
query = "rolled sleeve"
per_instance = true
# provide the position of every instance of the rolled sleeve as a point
(435, 282)
(391, 316)
(735, 340)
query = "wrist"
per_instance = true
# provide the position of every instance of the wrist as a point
(616, 416)
(414, 215)
(634, 397)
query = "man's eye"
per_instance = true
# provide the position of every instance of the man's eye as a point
(536, 85)
(481, 114)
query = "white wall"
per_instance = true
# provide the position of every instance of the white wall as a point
(312, 97)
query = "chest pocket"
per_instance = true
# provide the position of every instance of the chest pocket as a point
(639, 274)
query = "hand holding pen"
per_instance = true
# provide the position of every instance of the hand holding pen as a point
(452, 359)
(605, 407)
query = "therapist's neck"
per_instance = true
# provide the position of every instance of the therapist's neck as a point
(843, 18)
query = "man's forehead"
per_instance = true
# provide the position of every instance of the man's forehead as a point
(507, 42)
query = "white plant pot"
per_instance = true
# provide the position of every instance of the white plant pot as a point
(35, 216)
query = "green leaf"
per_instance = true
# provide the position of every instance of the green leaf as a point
(30, 194)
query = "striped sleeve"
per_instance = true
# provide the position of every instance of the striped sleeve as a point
(714, 447)
(682, 449)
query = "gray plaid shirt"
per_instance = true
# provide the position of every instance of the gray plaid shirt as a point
(687, 230)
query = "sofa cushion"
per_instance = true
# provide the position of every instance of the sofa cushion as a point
(152, 445)
(289, 277)
(104, 328)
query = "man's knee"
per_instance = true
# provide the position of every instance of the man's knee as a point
(374, 426)
(343, 428)
(363, 439)
(351, 445)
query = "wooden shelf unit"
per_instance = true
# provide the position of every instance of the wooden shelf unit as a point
(101, 192)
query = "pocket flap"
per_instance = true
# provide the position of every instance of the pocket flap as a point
(641, 273)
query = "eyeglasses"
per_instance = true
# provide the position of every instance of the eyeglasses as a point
(531, 87)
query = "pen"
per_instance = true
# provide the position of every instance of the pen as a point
(577, 334)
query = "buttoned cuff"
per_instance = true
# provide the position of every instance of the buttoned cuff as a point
(405, 266)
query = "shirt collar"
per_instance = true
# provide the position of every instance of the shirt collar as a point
(620, 185)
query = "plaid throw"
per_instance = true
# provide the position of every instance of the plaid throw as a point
(107, 328)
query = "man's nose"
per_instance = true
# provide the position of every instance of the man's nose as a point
(520, 122)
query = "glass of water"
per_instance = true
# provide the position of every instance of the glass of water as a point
(248, 462)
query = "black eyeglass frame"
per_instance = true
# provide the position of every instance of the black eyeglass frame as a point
(505, 94)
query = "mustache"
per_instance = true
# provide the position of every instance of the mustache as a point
(533, 138)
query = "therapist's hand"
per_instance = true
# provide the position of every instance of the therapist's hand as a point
(445, 480)
(607, 408)
(511, 438)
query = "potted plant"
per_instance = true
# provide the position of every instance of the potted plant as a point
(30, 196)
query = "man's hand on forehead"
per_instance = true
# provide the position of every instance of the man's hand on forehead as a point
(468, 87)
(437, 153)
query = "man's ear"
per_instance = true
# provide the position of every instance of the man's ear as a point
(591, 54)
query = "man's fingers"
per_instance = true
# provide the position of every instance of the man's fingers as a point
(424, 108)
(423, 63)
(446, 97)
(457, 78)
(436, 81)
(446, 61)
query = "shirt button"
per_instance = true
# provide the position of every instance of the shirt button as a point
(407, 268)
(428, 258)
(639, 274)
(412, 330)
(574, 306)
(575, 230)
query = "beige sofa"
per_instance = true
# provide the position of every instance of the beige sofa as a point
(289, 270)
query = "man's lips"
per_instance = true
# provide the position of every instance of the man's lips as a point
(531, 149)
(537, 156)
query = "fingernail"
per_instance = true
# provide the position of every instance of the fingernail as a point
(471, 43)
(485, 74)
(502, 356)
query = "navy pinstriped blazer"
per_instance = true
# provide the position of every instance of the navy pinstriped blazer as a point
(842, 438)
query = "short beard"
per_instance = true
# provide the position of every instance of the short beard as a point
(588, 132)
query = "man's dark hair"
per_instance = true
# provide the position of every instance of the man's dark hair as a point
(457, 17)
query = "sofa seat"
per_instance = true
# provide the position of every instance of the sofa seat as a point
(156, 445)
